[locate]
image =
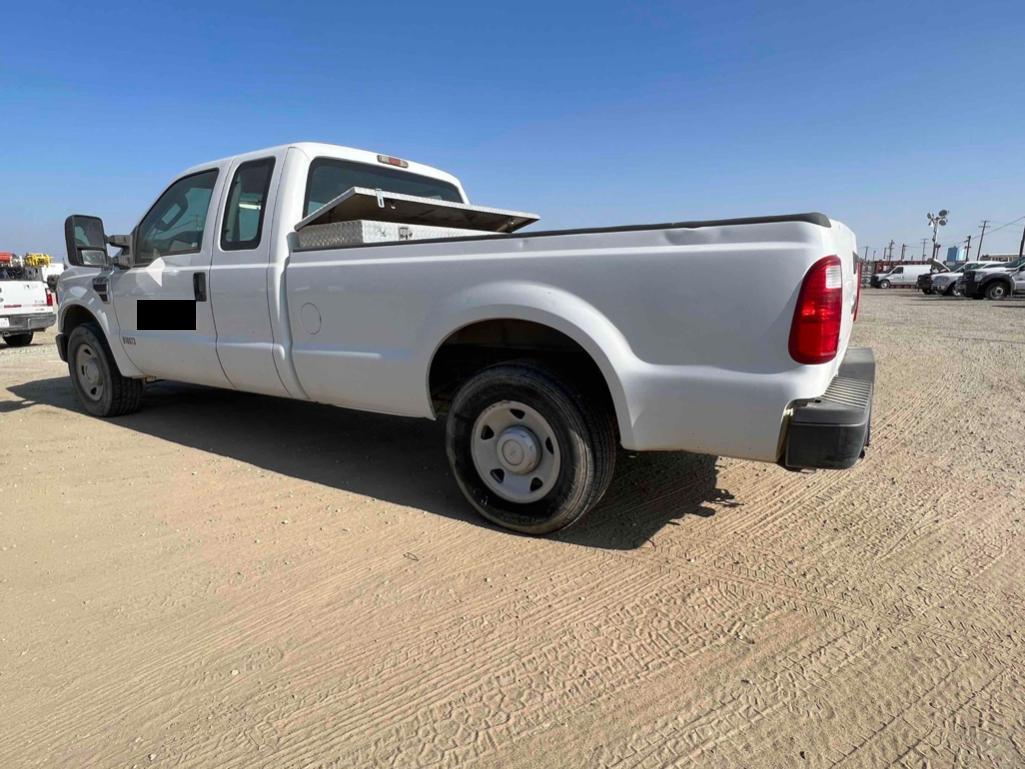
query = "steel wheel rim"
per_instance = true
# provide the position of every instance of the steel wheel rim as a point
(89, 372)
(515, 451)
(997, 292)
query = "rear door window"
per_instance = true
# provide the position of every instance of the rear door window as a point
(242, 227)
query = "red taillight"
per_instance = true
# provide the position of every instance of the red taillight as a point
(857, 289)
(49, 298)
(815, 332)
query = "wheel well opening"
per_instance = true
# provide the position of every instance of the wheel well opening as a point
(75, 317)
(479, 345)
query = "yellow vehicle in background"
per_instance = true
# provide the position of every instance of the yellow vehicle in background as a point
(37, 260)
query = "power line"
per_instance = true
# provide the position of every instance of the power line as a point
(997, 229)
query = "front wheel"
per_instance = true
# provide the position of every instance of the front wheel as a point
(884, 284)
(19, 340)
(100, 388)
(996, 291)
(530, 450)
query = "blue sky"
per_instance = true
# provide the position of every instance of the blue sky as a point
(588, 113)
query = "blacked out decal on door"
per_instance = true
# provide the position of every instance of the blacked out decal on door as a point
(166, 314)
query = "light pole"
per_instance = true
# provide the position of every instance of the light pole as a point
(937, 220)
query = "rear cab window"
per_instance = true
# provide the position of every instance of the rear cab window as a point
(330, 177)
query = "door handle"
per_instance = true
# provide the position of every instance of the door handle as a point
(199, 286)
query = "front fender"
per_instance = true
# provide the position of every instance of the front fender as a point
(1005, 279)
(77, 294)
(548, 306)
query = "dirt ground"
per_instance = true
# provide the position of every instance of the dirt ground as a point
(226, 580)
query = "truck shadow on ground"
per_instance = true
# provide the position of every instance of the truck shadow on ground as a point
(389, 458)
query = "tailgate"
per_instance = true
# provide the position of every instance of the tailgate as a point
(845, 246)
(22, 297)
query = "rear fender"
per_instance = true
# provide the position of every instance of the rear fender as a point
(545, 305)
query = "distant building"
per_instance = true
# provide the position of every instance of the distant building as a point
(955, 254)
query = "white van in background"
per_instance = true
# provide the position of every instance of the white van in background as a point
(901, 275)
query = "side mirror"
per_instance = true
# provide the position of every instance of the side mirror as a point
(85, 241)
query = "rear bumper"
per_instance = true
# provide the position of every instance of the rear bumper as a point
(832, 431)
(18, 324)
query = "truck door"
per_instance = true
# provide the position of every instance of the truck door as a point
(1018, 276)
(162, 303)
(241, 276)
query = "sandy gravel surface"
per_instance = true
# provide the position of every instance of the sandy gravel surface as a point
(227, 580)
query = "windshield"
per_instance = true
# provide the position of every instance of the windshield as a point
(329, 178)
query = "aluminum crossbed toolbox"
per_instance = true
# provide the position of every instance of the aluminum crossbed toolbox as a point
(358, 203)
(363, 231)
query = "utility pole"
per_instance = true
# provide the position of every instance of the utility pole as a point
(892, 244)
(866, 250)
(924, 241)
(903, 247)
(968, 248)
(1021, 246)
(984, 225)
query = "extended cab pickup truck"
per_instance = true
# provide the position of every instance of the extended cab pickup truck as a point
(545, 351)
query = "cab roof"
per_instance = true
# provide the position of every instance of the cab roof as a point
(338, 151)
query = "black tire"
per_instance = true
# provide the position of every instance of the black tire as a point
(997, 291)
(927, 291)
(950, 291)
(884, 284)
(111, 395)
(19, 340)
(978, 296)
(584, 431)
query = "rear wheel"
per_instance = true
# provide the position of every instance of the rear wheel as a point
(996, 291)
(100, 388)
(530, 450)
(926, 290)
(19, 340)
(951, 291)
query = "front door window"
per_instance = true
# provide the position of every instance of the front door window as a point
(176, 222)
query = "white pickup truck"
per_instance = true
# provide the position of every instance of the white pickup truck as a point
(26, 306)
(546, 351)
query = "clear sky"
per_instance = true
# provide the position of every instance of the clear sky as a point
(588, 113)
